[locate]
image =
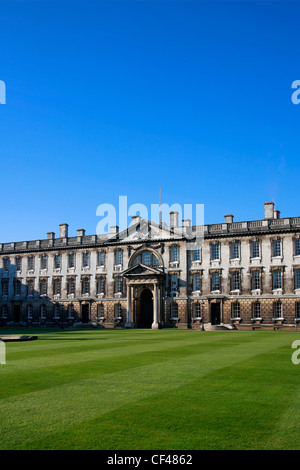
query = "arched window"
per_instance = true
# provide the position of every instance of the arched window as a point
(148, 258)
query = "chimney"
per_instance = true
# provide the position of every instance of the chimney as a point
(174, 219)
(81, 232)
(114, 229)
(136, 219)
(186, 223)
(276, 214)
(269, 210)
(228, 219)
(50, 236)
(63, 230)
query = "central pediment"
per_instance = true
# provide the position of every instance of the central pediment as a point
(141, 270)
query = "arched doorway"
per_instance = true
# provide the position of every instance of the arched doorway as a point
(145, 319)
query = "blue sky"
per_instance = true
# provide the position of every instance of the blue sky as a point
(117, 98)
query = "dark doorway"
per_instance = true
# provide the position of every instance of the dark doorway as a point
(85, 313)
(215, 314)
(17, 314)
(146, 309)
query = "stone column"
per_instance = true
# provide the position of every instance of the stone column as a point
(155, 309)
(128, 320)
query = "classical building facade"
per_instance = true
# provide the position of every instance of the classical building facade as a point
(243, 274)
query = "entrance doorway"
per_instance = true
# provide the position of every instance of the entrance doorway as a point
(215, 313)
(17, 314)
(145, 319)
(85, 312)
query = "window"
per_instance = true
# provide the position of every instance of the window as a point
(71, 260)
(277, 279)
(297, 279)
(85, 260)
(43, 311)
(196, 282)
(44, 262)
(215, 251)
(148, 258)
(235, 310)
(85, 285)
(118, 285)
(71, 285)
(57, 262)
(56, 286)
(297, 307)
(197, 254)
(174, 283)
(70, 311)
(101, 258)
(174, 310)
(235, 280)
(5, 263)
(43, 286)
(196, 310)
(29, 310)
(100, 311)
(56, 311)
(118, 257)
(17, 287)
(255, 251)
(276, 248)
(19, 263)
(277, 306)
(30, 263)
(118, 311)
(297, 247)
(215, 281)
(4, 286)
(174, 254)
(30, 287)
(101, 285)
(255, 280)
(256, 310)
(4, 311)
(235, 250)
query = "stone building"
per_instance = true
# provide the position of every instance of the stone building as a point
(245, 274)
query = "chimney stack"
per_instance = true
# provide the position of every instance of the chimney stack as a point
(269, 210)
(136, 219)
(50, 236)
(63, 231)
(114, 229)
(174, 219)
(228, 219)
(81, 232)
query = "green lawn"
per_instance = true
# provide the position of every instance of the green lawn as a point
(143, 389)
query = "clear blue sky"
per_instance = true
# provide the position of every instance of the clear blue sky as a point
(115, 98)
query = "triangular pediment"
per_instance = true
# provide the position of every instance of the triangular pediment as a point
(146, 230)
(142, 270)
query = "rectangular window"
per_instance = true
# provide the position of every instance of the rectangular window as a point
(297, 247)
(101, 258)
(17, 287)
(5, 287)
(44, 262)
(100, 311)
(174, 254)
(215, 251)
(118, 311)
(255, 251)
(118, 285)
(85, 286)
(215, 281)
(19, 263)
(30, 263)
(174, 310)
(30, 287)
(71, 260)
(235, 250)
(235, 280)
(255, 280)
(146, 258)
(118, 257)
(101, 285)
(5, 264)
(297, 306)
(29, 311)
(277, 279)
(297, 279)
(71, 285)
(235, 310)
(276, 247)
(43, 287)
(197, 310)
(174, 283)
(85, 260)
(196, 282)
(57, 262)
(256, 310)
(277, 310)
(197, 254)
(56, 286)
